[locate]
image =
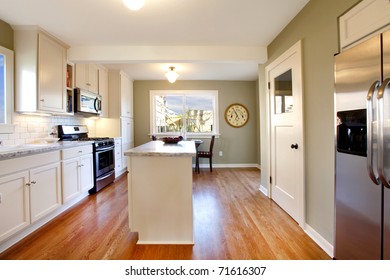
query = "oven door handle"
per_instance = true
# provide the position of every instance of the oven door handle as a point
(105, 149)
(108, 175)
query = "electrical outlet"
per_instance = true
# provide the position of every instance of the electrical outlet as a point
(220, 153)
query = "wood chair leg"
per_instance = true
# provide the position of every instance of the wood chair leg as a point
(211, 165)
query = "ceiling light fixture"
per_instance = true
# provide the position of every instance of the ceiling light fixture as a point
(171, 75)
(134, 5)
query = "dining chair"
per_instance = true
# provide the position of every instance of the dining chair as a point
(206, 154)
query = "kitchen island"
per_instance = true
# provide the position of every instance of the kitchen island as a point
(160, 192)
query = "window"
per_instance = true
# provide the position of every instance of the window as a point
(190, 113)
(6, 89)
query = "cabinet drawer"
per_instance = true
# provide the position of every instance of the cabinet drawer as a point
(23, 163)
(118, 152)
(75, 152)
(118, 165)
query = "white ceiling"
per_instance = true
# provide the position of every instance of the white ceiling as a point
(92, 23)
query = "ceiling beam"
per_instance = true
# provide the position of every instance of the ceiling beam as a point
(143, 54)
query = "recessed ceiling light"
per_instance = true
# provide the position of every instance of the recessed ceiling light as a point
(134, 5)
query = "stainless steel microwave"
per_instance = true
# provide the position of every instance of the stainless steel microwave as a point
(87, 102)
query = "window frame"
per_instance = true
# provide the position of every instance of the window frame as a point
(7, 126)
(152, 114)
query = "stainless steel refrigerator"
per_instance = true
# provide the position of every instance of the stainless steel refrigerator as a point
(362, 178)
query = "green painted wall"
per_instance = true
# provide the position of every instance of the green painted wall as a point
(6, 35)
(317, 26)
(239, 145)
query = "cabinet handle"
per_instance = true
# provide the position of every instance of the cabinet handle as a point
(80, 152)
(81, 165)
(31, 183)
(42, 100)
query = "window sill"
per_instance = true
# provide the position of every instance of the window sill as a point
(7, 128)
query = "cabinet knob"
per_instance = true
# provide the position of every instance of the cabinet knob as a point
(294, 146)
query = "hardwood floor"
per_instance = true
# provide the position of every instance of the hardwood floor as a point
(232, 220)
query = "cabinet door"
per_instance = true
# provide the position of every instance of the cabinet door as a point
(70, 179)
(93, 78)
(126, 91)
(14, 204)
(81, 76)
(52, 67)
(45, 190)
(86, 172)
(103, 91)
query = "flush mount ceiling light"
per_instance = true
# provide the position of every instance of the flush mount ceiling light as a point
(134, 5)
(171, 75)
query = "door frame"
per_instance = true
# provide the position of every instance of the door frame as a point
(296, 50)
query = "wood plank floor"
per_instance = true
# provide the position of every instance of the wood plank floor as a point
(232, 220)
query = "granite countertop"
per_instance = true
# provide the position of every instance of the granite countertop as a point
(160, 149)
(14, 151)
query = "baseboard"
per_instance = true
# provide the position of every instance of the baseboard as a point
(233, 165)
(264, 190)
(322, 242)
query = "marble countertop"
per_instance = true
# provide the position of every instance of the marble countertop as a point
(14, 151)
(160, 149)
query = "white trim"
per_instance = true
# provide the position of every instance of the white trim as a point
(7, 126)
(322, 242)
(264, 190)
(295, 50)
(184, 93)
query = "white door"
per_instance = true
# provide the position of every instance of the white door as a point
(286, 132)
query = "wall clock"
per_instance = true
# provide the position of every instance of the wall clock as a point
(236, 115)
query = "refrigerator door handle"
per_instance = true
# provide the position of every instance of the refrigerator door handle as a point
(370, 97)
(381, 127)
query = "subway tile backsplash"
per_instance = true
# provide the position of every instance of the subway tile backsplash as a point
(31, 128)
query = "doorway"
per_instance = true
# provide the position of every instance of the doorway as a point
(285, 113)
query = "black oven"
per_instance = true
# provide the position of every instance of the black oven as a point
(104, 162)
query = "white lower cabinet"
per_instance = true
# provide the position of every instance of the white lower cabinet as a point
(14, 204)
(118, 157)
(77, 171)
(45, 190)
(30, 188)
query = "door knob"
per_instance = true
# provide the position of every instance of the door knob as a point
(294, 146)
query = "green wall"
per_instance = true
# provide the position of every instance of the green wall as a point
(316, 25)
(239, 145)
(6, 35)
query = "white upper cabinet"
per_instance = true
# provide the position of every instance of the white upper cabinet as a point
(367, 18)
(121, 94)
(103, 90)
(87, 77)
(40, 72)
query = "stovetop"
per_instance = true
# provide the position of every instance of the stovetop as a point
(80, 133)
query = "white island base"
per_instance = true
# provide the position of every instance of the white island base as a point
(160, 192)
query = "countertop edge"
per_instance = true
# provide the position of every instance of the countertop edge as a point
(159, 149)
(31, 150)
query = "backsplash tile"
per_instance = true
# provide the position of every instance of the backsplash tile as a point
(30, 128)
